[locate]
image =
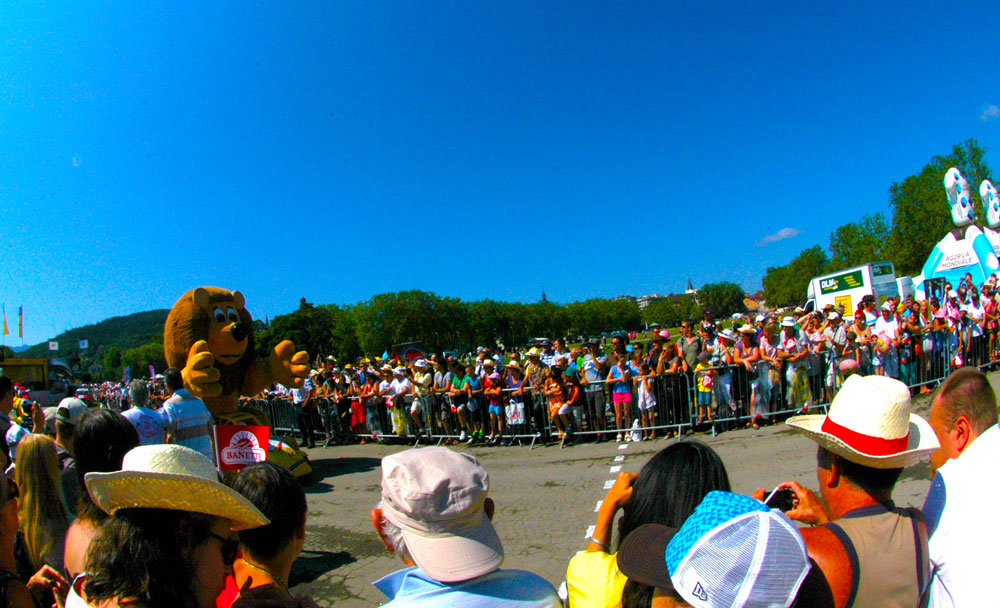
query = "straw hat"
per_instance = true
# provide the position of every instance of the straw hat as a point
(747, 329)
(534, 351)
(870, 424)
(171, 477)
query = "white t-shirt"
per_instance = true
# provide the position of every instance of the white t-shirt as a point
(400, 387)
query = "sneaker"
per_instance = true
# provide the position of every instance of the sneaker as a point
(618, 439)
(462, 436)
(472, 439)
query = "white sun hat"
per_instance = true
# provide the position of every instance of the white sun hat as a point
(870, 424)
(171, 477)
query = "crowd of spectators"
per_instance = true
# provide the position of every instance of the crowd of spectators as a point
(744, 372)
(152, 524)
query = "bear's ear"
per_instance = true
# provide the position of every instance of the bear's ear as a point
(238, 300)
(201, 296)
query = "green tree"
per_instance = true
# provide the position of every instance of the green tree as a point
(857, 243)
(921, 215)
(785, 285)
(723, 299)
(113, 361)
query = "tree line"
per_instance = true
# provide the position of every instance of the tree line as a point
(920, 217)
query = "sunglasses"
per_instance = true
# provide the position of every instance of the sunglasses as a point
(228, 547)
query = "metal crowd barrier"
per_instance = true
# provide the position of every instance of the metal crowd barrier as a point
(738, 397)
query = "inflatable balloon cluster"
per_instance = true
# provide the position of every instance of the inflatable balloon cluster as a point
(968, 248)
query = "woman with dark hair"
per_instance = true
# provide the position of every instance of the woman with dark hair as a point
(100, 441)
(666, 491)
(167, 541)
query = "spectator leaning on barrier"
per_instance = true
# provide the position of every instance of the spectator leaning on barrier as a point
(865, 545)
(435, 515)
(964, 418)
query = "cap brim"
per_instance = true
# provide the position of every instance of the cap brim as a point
(921, 441)
(450, 558)
(642, 555)
(148, 490)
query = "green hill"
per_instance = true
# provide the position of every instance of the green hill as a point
(126, 332)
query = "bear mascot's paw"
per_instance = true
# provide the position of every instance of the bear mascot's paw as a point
(288, 367)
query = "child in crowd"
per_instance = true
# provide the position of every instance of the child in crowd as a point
(475, 401)
(647, 400)
(705, 374)
(494, 395)
(555, 391)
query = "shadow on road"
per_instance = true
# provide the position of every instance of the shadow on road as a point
(312, 564)
(327, 468)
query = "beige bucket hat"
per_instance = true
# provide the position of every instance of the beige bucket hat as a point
(171, 477)
(869, 423)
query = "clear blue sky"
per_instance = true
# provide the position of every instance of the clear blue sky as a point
(335, 150)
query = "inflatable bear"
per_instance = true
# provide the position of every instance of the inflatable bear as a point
(209, 336)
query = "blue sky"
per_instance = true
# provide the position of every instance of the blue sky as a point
(337, 150)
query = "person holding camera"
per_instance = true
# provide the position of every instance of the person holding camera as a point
(866, 547)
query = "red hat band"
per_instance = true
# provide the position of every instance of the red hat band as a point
(865, 444)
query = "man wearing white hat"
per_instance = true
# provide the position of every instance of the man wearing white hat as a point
(871, 552)
(435, 514)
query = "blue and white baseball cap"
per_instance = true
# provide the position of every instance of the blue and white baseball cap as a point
(733, 551)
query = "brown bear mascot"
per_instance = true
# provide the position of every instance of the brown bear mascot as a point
(209, 336)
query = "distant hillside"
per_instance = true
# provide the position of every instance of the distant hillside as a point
(130, 331)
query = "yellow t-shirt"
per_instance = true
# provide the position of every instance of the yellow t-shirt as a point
(594, 581)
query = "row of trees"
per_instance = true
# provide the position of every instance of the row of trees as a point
(442, 323)
(920, 217)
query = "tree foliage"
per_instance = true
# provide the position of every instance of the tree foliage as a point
(723, 299)
(857, 243)
(921, 215)
(786, 285)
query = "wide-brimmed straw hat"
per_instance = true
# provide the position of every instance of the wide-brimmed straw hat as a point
(870, 424)
(747, 329)
(171, 477)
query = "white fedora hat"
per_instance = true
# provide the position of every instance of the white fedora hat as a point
(171, 477)
(870, 424)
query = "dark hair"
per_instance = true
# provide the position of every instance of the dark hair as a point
(871, 480)
(668, 489)
(100, 441)
(145, 554)
(6, 385)
(275, 491)
(967, 392)
(173, 378)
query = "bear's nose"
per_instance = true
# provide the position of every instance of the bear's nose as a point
(239, 332)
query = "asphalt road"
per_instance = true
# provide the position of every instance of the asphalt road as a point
(545, 498)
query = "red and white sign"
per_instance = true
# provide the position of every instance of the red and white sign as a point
(239, 445)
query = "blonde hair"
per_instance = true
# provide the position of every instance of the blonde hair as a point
(41, 508)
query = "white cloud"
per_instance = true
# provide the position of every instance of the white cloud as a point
(784, 233)
(992, 111)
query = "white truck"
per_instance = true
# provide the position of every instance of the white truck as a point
(847, 287)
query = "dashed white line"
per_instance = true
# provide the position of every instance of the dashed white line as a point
(617, 468)
(590, 531)
(598, 507)
(620, 458)
(623, 446)
(608, 484)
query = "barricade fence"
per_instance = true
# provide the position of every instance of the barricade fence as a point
(714, 399)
